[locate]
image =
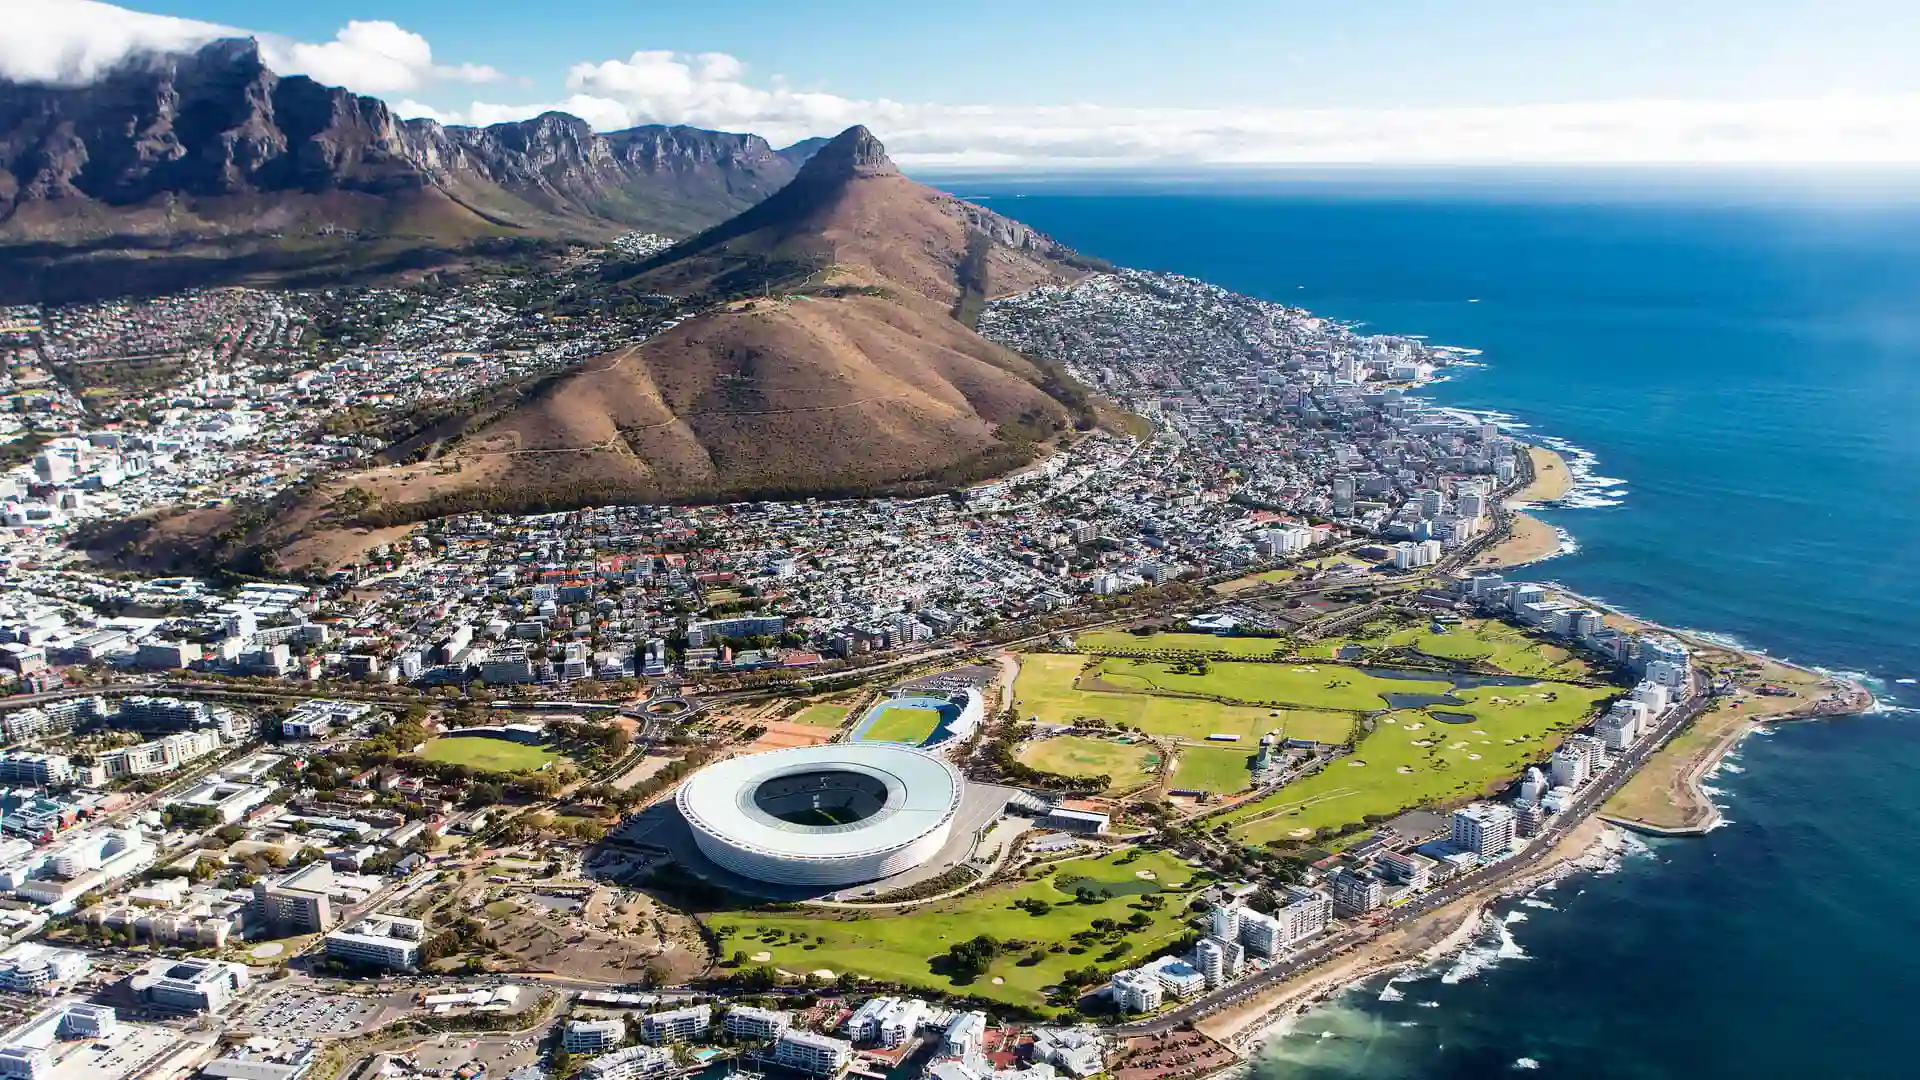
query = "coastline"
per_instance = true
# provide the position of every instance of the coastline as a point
(1425, 940)
(1552, 480)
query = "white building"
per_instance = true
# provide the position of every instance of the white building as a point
(1223, 921)
(32, 968)
(751, 1022)
(676, 1025)
(964, 1036)
(632, 1063)
(383, 941)
(817, 1055)
(191, 985)
(593, 1036)
(1568, 767)
(1218, 960)
(1485, 829)
(1137, 990)
(886, 1021)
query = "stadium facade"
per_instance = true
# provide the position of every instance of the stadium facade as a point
(831, 815)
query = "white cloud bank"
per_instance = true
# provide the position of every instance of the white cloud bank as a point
(73, 40)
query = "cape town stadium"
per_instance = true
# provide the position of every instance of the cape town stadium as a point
(828, 815)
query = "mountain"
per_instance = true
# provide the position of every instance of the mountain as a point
(196, 160)
(832, 359)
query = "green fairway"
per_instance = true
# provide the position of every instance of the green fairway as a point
(901, 947)
(1100, 641)
(1127, 766)
(1311, 685)
(1046, 689)
(903, 724)
(1222, 770)
(1412, 759)
(823, 715)
(1510, 648)
(492, 755)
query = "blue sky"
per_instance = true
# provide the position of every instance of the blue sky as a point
(1000, 82)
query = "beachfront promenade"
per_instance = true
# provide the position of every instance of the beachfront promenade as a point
(1491, 876)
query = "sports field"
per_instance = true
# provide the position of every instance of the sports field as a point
(491, 755)
(1128, 765)
(1254, 581)
(902, 724)
(1507, 647)
(901, 947)
(1414, 759)
(1219, 769)
(825, 714)
(1097, 641)
(1046, 689)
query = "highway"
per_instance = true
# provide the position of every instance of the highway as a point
(1585, 803)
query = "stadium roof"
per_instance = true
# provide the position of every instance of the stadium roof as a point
(922, 793)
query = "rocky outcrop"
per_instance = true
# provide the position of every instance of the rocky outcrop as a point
(217, 123)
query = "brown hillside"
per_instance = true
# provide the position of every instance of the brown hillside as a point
(831, 363)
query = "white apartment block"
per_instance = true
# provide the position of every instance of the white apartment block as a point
(1485, 829)
(593, 1036)
(632, 1063)
(751, 1022)
(1137, 990)
(816, 1055)
(676, 1025)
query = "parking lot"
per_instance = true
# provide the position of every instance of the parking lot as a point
(444, 1055)
(306, 1014)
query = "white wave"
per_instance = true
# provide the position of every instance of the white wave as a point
(1880, 706)
(1392, 993)
(1428, 1004)
(1729, 768)
(1525, 1063)
(1906, 682)
(1539, 904)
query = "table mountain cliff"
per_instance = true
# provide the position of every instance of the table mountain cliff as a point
(210, 166)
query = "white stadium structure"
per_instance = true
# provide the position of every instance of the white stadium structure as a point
(828, 815)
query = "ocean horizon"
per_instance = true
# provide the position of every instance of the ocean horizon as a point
(1734, 379)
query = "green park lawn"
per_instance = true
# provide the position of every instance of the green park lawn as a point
(1223, 770)
(826, 714)
(901, 946)
(1128, 765)
(490, 755)
(1100, 641)
(1254, 581)
(1046, 689)
(903, 724)
(1389, 771)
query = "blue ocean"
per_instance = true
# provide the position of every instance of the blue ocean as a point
(1737, 376)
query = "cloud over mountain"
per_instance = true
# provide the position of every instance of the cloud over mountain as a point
(75, 39)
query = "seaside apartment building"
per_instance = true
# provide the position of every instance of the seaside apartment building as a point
(632, 1063)
(752, 1022)
(815, 1055)
(1484, 829)
(676, 1025)
(593, 1036)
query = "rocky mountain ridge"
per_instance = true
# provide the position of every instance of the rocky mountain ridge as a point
(212, 145)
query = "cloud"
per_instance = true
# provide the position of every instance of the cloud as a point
(75, 41)
(713, 90)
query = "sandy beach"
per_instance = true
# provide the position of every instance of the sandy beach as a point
(1551, 478)
(1425, 939)
(1529, 541)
